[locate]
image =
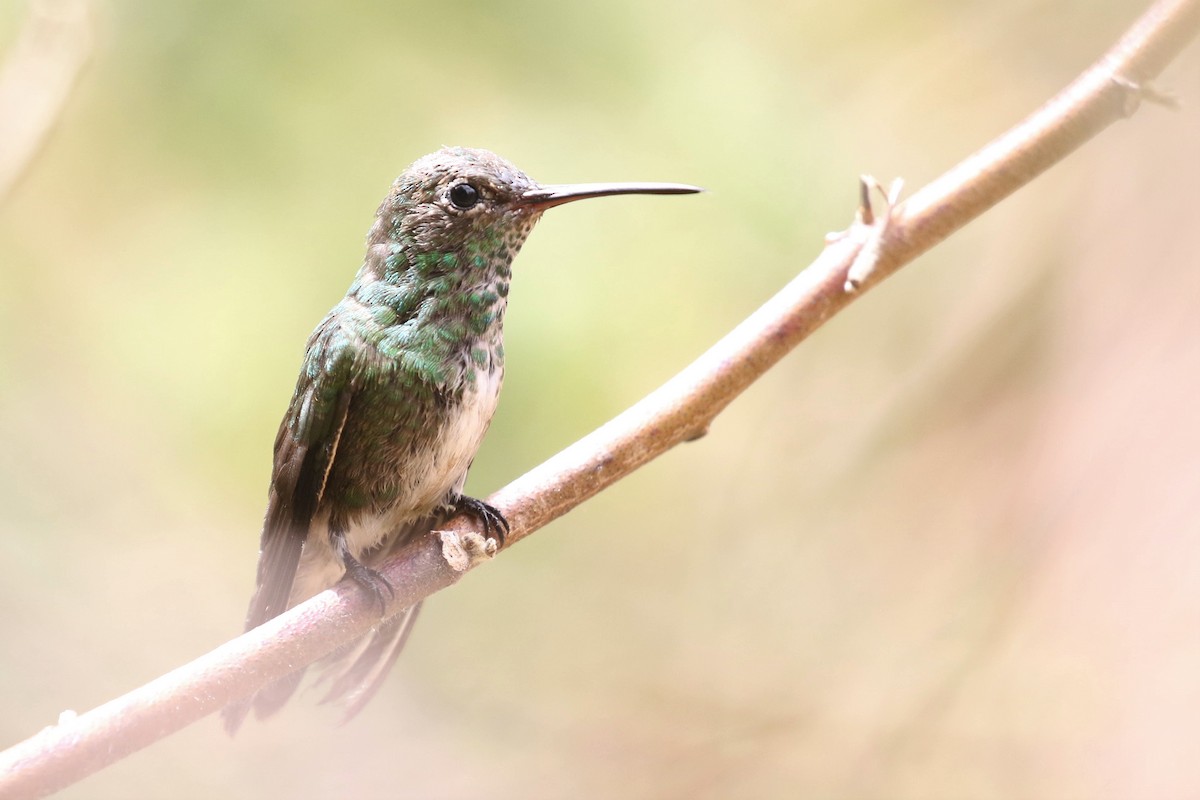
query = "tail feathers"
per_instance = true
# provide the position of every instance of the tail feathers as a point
(234, 714)
(266, 702)
(358, 675)
(356, 670)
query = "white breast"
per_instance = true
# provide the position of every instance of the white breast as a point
(462, 433)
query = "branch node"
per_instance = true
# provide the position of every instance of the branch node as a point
(865, 184)
(463, 551)
(868, 256)
(1136, 92)
(699, 428)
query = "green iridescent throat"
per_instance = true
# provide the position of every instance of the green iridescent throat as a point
(428, 312)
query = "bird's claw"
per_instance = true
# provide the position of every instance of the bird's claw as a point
(494, 523)
(373, 582)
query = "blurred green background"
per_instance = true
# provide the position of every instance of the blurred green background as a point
(949, 548)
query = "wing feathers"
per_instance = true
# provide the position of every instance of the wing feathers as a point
(305, 449)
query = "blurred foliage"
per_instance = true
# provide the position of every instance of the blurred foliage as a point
(947, 549)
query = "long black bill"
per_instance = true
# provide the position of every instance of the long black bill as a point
(544, 197)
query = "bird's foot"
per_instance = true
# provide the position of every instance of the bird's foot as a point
(494, 523)
(373, 582)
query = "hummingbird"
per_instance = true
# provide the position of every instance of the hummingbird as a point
(397, 388)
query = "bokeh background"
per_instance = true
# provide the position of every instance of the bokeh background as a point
(948, 548)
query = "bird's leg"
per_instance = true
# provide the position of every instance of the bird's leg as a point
(364, 576)
(494, 523)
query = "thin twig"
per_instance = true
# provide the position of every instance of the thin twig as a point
(679, 411)
(37, 79)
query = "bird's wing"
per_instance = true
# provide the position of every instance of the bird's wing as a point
(305, 448)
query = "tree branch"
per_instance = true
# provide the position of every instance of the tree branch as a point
(678, 411)
(37, 79)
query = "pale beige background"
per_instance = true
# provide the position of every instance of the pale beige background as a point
(948, 549)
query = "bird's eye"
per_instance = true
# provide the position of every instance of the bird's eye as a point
(464, 195)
